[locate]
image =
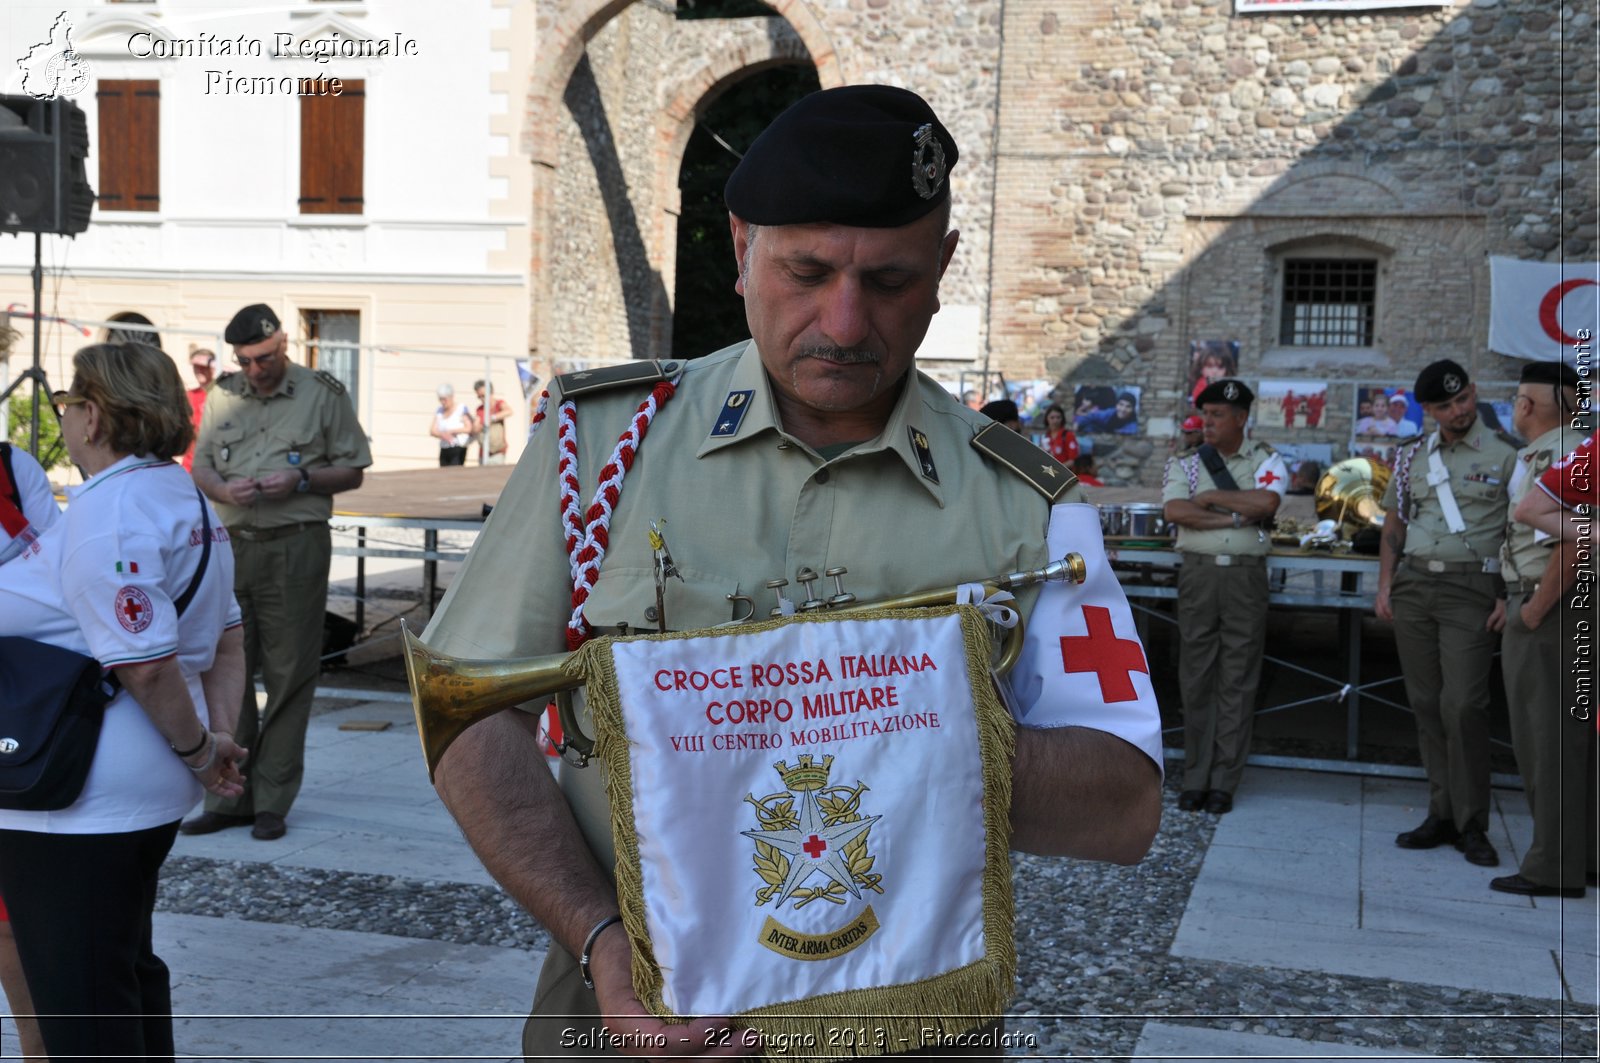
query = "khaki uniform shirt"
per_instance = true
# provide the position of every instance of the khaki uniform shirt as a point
(744, 503)
(307, 423)
(1521, 558)
(1245, 467)
(1480, 466)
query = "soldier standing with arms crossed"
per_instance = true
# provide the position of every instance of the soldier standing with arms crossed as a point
(1555, 751)
(1439, 581)
(277, 442)
(1220, 497)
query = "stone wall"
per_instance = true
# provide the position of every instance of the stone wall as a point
(1132, 174)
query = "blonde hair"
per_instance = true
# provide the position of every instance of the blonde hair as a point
(141, 398)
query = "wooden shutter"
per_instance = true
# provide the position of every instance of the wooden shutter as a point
(129, 144)
(332, 147)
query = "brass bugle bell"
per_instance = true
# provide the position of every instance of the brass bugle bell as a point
(449, 694)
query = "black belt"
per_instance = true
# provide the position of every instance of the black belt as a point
(1522, 586)
(1227, 560)
(263, 535)
(1440, 568)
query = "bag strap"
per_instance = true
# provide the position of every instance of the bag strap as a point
(8, 478)
(1217, 467)
(205, 556)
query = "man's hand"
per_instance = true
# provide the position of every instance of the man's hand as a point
(1381, 605)
(1497, 618)
(625, 1016)
(279, 484)
(242, 492)
(1532, 615)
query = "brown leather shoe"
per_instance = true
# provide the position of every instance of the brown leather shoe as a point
(211, 822)
(269, 827)
(1191, 800)
(1219, 802)
(1475, 846)
(1432, 833)
(1528, 888)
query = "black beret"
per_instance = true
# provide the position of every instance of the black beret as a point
(1440, 382)
(1228, 391)
(1550, 373)
(252, 325)
(1001, 410)
(872, 156)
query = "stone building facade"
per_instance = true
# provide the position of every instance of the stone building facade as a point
(1133, 176)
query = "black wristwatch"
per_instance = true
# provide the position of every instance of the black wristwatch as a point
(305, 481)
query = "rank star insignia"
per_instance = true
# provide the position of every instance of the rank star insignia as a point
(1048, 471)
(731, 416)
(825, 836)
(1452, 383)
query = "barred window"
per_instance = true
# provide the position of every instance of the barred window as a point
(1328, 302)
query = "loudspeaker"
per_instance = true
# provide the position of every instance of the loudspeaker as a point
(43, 187)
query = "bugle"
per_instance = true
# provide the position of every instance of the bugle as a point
(450, 694)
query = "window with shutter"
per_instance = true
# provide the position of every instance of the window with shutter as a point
(332, 146)
(130, 144)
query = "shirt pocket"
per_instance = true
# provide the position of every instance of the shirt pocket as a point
(1480, 491)
(291, 451)
(696, 600)
(230, 451)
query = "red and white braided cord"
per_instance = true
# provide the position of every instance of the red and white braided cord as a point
(596, 537)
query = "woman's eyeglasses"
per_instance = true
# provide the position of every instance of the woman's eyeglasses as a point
(62, 399)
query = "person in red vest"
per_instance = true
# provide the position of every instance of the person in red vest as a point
(203, 363)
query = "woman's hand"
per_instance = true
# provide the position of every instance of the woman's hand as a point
(218, 765)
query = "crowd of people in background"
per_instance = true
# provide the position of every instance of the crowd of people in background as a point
(455, 426)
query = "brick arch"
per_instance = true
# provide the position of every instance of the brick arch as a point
(564, 31)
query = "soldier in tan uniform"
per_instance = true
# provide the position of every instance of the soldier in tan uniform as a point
(1439, 581)
(277, 442)
(1555, 751)
(1222, 497)
(816, 444)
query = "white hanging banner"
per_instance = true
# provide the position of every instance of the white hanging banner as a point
(811, 819)
(1548, 311)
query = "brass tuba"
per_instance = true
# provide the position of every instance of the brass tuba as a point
(449, 694)
(1351, 493)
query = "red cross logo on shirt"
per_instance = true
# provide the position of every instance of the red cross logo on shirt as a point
(815, 847)
(1113, 660)
(133, 609)
(1268, 478)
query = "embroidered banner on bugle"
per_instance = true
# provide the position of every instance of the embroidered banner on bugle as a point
(812, 820)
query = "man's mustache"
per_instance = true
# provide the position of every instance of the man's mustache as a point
(842, 355)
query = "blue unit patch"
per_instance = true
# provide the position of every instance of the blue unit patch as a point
(731, 416)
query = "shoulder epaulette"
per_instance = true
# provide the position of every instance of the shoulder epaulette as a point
(1262, 444)
(329, 381)
(234, 380)
(1409, 440)
(1047, 475)
(1510, 440)
(641, 371)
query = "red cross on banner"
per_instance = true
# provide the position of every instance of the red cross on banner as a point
(1113, 660)
(1268, 478)
(815, 847)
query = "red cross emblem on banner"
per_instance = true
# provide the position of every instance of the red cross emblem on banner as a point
(1113, 660)
(815, 847)
(1268, 478)
(133, 609)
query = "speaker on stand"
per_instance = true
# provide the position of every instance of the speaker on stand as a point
(43, 189)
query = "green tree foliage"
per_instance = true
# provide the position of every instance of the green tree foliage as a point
(52, 451)
(708, 313)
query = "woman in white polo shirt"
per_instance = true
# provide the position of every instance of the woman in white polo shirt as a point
(106, 580)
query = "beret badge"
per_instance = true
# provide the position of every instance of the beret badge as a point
(927, 162)
(1230, 391)
(268, 328)
(1452, 384)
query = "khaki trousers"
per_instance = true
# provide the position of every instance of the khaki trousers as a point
(1446, 654)
(1222, 624)
(1555, 751)
(282, 587)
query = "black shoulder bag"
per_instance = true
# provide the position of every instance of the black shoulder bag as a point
(52, 702)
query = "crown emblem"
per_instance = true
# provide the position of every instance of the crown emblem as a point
(806, 775)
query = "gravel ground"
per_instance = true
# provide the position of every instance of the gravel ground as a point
(1093, 947)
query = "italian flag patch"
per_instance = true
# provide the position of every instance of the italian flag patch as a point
(129, 567)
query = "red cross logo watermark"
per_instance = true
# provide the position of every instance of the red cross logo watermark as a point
(815, 847)
(133, 609)
(1268, 478)
(1113, 660)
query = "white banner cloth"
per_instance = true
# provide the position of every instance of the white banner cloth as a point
(1543, 310)
(808, 808)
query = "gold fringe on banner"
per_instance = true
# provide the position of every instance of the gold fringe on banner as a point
(950, 1003)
